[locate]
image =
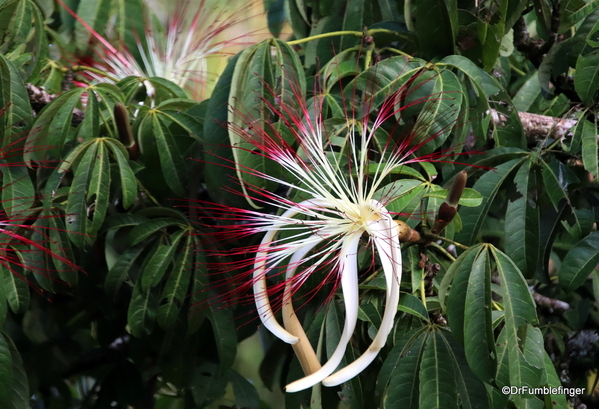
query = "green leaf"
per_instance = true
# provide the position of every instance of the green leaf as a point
(187, 122)
(398, 380)
(223, 327)
(469, 198)
(352, 390)
(579, 262)
(158, 262)
(128, 180)
(527, 94)
(402, 192)
(174, 90)
(95, 14)
(142, 311)
(99, 189)
(543, 12)
(142, 231)
(574, 11)
(522, 226)
(436, 26)
(413, 306)
(519, 309)
(217, 156)
(6, 375)
(479, 342)
(586, 80)
(488, 186)
(437, 382)
(557, 401)
(61, 250)
(589, 148)
(198, 296)
(123, 220)
(245, 393)
(20, 383)
(206, 384)
(460, 268)
(470, 388)
(14, 103)
(121, 269)
(518, 304)
(76, 210)
(16, 290)
(90, 127)
(176, 286)
(18, 193)
(171, 160)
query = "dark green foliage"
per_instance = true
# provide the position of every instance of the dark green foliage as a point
(114, 289)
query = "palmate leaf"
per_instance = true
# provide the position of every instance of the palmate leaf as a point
(469, 315)
(427, 368)
(23, 37)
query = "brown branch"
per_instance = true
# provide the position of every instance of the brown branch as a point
(551, 303)
(537, 127)
(39, 98)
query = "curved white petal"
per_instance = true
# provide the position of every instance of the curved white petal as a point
(386, 239)
(260, 292)
(349, 283)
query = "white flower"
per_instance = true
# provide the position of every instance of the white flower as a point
(324, 231)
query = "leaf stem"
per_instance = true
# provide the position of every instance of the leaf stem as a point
(396, 51)
(370, 32)
(326, 35)
(422, 289)
(95, 71)
(445, 239)
(147, 193)
(442, 250)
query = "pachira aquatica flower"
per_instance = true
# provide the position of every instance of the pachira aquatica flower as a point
(333, 173)
(178, 49)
